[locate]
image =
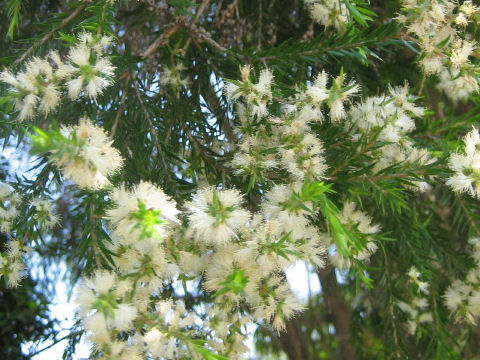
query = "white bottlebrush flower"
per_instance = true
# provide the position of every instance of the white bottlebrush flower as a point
(301, 155)
(90, 72)
(466, 166)
(155, 342)
(257, 96)
(414, 274)
(232, 91)
(95, 42)
(95, 159)
(454, 296)
(11, 263)
(328, 13)
(44, 213)
(9, 202)
(462, 297)
(417, 308)
(128, 218)
(173, 76)
(215, 216)
(100, 306)
(96, 326)
(356, 220)
(317, 94)
(16, 272)
(339, 95)
(123, 317)
(276, 249)
(263, 87)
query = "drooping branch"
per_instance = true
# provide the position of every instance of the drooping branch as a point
(47, 36)
(162, 40)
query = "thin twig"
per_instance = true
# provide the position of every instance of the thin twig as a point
(93, 235)
(120, 108)
(469, 218)
(55, 342)
(198, 146)
(363, 151)
(42, 41)
(383, 177)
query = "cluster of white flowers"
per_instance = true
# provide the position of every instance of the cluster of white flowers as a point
(390, 118)
(328, 12)
(141, 220)
(146, 243)
(467, 166)
(285, 143)
(317, 95)
(281, 233)
(11, 262)
(9, 202)
(173, 322)
(441, 28)
(103, 306)
(463, 296)
(39, 87)
(43, 213)
(84, 154)
(356, 221)
(241, 256)
(417, 307)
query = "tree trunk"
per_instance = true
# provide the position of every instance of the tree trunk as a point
(339, 311)
(292, 342)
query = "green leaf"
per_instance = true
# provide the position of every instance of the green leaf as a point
(14, 8)
(196, 345)
(148, 220)
(234, 282)
(361, 19)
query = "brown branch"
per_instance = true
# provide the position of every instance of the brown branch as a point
(338, 310)
(201, 34)
(200, 11)
(162, 40)
(44, 39)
